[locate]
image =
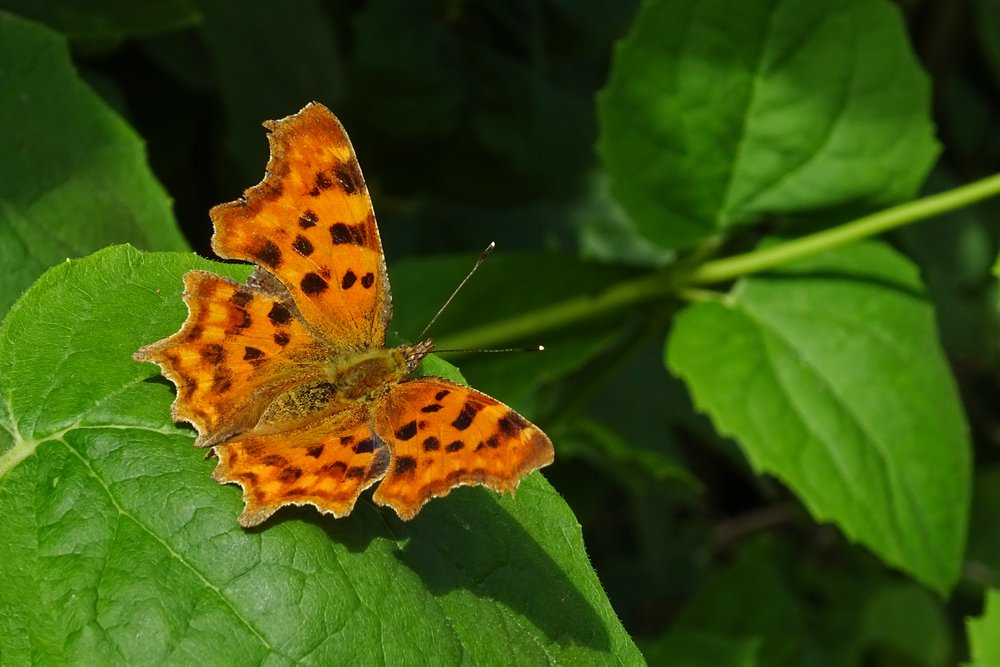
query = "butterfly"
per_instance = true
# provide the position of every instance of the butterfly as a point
(288, 377)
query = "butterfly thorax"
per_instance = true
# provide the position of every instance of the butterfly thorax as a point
(347, 380)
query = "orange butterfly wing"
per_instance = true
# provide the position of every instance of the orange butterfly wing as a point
(310, 224)
(326, 464)
(238, 348)
(444, 435)
(252, 362)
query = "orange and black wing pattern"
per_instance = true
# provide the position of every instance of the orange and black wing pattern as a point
(238, 348)
(442, 435)
(310, 224)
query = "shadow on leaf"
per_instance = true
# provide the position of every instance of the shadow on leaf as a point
(470, 542)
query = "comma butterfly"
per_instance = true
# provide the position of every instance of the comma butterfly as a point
(288, 376)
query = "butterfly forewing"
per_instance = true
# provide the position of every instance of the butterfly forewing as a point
(310, 223)
(238, 347)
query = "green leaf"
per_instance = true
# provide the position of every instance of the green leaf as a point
(106, 19)
(984, 633)
(118, 547)
(830, 376)
(907, 622)
(717, 113)
(608, 234)
(73, 177)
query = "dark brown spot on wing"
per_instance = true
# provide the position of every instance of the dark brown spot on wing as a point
(368, 280)
(222, 381)
(431, 444)
(241, 298)
(323, 181)
(315, 451)
(245, 319)
(465, 417)
(364, 446)
(492, 442)
(282, 338)
(454, 446)
(341, 233)
(407, 431)
(355, 472)
(512, 423)
(308, 219)
(349, 176)
(313, 284)
(251, 353)
(248, 476)
(441, 394)
(349, 280)
(433, 407)
(269, 254)
(213, 353)
(302, 246)
(279, 314)
(405, 465)
(290, 474)
(276, 460)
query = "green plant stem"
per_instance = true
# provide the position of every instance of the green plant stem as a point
(728, 268)
(666, 282)
(529, 324)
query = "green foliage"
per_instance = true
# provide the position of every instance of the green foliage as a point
(97, 468)
(707, 96)
(74, 177)
(825, 372)
(983, 633)
(775, 434)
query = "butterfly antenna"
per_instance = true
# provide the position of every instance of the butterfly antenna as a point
(483, 256)
(527, 348)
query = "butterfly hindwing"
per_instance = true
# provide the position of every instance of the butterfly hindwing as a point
(442, 435)
(327, 465)
(310, 224)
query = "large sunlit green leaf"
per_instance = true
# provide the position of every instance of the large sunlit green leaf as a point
(830, 376)
(118, 547)
(718, 113)
(73, 176)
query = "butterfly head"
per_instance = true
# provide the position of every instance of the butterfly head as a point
(414, 353)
